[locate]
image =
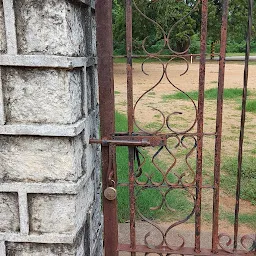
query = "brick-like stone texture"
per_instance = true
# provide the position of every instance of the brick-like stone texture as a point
(42, 96)
(50, 199)
(40, 159)
(54, 27)
(59, 213)
(80, 247)
(9, 212)
(93, 24)
(2, 30)
(32, 249)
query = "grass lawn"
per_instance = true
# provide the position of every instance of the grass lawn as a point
(210, 94)
(230, 54)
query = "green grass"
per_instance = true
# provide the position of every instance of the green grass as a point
(251, 106)
(177, 199)
(210, 94)
(244, 218)
(248, 181)
(230, 54)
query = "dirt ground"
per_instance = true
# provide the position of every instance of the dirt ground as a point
(150, 120)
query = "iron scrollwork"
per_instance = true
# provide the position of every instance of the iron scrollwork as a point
(180, 135)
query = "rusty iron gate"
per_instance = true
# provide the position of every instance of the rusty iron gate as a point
(136, 138)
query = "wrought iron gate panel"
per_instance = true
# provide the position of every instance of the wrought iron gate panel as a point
(137, 137)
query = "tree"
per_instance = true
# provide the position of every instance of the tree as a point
(169, 15)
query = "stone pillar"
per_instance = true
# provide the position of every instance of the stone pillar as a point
(50, 188)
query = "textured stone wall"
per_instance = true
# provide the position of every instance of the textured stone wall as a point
(50, 187)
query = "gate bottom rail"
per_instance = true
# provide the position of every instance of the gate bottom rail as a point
(183, 251)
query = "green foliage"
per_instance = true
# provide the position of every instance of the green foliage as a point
(248, 181)
(167, 13)
(195, 44)
(210, 94)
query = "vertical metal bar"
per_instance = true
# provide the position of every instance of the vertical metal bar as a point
(130, 121)
(200, 120)
(243, 115)
(132, 200)
(129, 65)
(219, 115)
(107, 113)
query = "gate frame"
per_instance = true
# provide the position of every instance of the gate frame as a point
(107, 118)
(107, 113)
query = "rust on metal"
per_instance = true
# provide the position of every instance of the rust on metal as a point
(242, 127)
(183, 251)
(107, 112)
(126, 140)
(130, 115)
(190, 181)
(200, 124)
(218, 140)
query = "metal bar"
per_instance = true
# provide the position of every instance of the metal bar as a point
(183, 251)
(132, 199)
(129, 140)
(215, 225)
(200, 130)
(174, 186)
(162, 56)
(242, 127)
(129, 65)
(167, 135)
(130, 121)
(107, 109)
(120, 142)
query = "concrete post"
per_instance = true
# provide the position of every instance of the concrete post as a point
(50, 188)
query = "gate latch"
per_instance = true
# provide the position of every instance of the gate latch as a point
(132, 140)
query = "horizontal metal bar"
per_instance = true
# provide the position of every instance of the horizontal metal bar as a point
(166, 135)
(120, 142)
(132, 140)
(160, 56)
(123, 184)
(182, 251)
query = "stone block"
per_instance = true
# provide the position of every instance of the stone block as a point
(42, 95)
(9, 212)
(53, 27)
(80, 247)
(40, 159)
(60, 213)
(33, 249)
(99, 249)
(94, 47)
(92, 88)
(3, 44)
